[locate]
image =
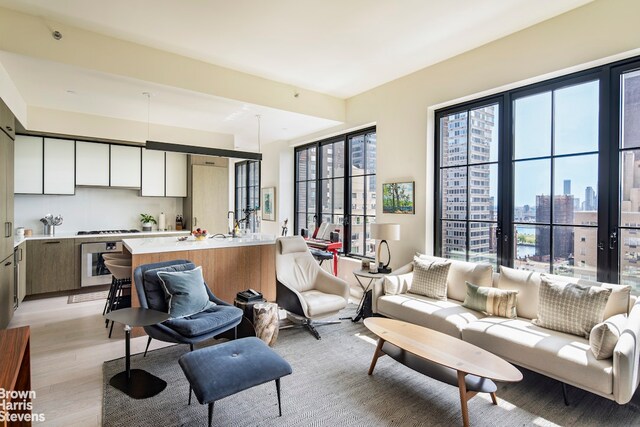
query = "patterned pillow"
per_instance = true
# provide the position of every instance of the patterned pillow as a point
(604, 336)
(430, 278)
(493, 301)
(569, 307)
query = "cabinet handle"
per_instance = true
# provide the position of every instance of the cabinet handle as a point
(7, 228)
(8, 263)
(51, 243)
(195, 221)
(9, 128)
(20, 257)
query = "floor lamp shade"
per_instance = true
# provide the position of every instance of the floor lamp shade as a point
(385, 232)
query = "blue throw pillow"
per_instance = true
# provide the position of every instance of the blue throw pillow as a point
(186, 293)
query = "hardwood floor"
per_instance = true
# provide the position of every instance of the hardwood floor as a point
(69, 343)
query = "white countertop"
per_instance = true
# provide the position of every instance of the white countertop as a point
(117, 236)
(171, 244)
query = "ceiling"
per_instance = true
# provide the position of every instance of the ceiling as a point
(336, 47)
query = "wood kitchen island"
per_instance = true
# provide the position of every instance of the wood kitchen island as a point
(229, 265)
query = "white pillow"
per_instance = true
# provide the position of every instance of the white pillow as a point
(397, 284)
(462, 272)
(604, 336)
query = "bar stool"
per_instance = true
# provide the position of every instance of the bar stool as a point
(121, 279)
(111, 256)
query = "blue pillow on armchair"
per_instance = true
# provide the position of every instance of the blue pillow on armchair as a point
(185, 291)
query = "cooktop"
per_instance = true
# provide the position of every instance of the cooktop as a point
(83, 233)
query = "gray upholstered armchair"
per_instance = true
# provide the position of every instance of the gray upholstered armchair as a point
(187, 330)
(305, 290)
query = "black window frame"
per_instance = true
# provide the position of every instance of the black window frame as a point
(245, 186)
(608, 214)
(346, 177)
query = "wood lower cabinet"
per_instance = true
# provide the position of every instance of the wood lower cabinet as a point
(6, 291)
(52, 266)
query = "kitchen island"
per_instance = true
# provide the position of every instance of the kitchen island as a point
(229, 264)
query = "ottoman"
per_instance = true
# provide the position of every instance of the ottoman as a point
(224, 369)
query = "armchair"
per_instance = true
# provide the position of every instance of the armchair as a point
(305, 290)
(187, 330)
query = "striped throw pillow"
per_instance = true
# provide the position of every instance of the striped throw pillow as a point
(430, 278)
(493, 301)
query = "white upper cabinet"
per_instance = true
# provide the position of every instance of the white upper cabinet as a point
(92, 164)
(176, 175)
(125, 166)
(28, 164)
(59, 166)
(153, 173)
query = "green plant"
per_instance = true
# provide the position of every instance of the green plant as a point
(145, 218)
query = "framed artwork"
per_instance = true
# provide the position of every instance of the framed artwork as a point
(269, 203)
(398, 198)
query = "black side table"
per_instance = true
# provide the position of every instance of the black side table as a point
(136, 383)
(364, 274)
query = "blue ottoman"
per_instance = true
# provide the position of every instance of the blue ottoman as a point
(225, 369)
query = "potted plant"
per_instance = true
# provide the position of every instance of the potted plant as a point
(147, 221)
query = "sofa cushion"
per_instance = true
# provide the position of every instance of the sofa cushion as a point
(556, 354)
(204, 323)
(397, 284)
(527, 284)
(569, 307)
(153, 289)
(430, 278)
(461, 272)
(444, 316)
(604, 336)
(186, 292)
(490, 300)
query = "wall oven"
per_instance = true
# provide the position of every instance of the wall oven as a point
(94, 272)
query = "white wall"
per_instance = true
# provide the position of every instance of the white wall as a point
(277, 171)
(403, 109)
(94, 209)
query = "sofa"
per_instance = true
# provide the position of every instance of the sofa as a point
(562, 356)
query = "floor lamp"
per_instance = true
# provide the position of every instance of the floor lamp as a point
(384, 232)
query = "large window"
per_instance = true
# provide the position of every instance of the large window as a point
(335, 182)
(247, 187)
(546, 178)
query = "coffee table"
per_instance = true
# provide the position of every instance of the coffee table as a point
(442, 357)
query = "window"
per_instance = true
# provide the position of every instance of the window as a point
(530, 178)
(247, 187)
(335, 181)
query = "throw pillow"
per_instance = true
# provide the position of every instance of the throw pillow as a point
(397, 284)
(186, 293)
(461, 272)
(604, 336)
(569, 307)
(430, 278)
(493, 301)
(527, 283)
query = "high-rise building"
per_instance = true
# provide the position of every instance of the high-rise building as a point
(563, 213)
(467, 139)
(567, 187)
(590, 203)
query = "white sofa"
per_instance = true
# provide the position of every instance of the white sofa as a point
(561, 356)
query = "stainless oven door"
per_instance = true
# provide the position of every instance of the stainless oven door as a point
(94, 272)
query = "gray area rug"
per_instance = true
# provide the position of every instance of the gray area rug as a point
(330, 387)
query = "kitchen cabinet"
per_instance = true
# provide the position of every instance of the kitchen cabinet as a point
(209, 201)
(52, 266)
(6, 195)
(7, 121)
(175, 174)
(59, 166)
(28, 164)
(20, 260)
(92, 164)
(153, 173)
(125, 166)
(6, 291)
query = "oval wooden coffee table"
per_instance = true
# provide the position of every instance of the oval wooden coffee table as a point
(442, 357)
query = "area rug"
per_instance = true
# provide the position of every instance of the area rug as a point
(330, 387)
(91, 296)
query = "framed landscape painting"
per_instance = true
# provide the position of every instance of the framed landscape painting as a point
(398, 198)
(269, 203)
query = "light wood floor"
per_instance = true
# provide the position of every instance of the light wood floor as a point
(69, 343)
